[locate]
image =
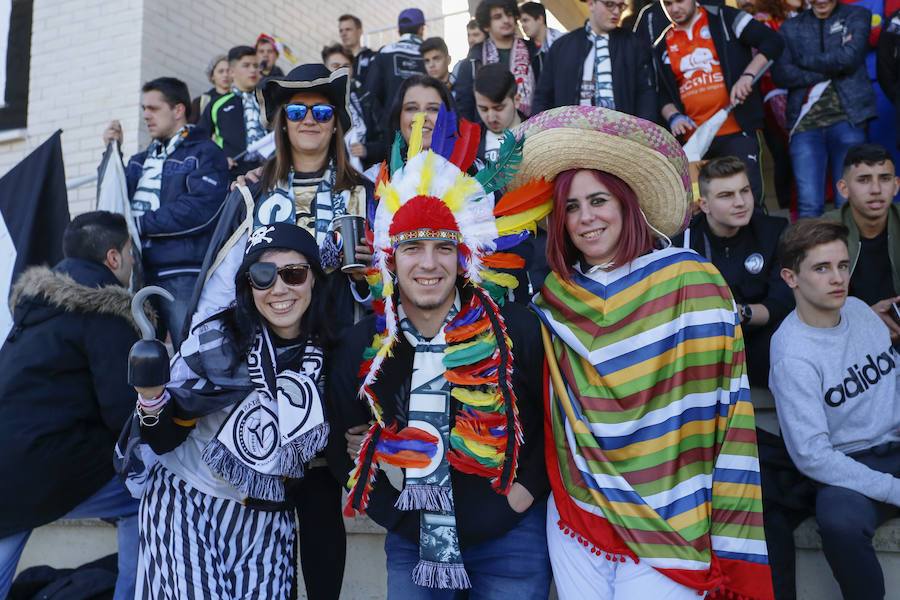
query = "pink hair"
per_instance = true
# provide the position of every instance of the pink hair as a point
(636, 238)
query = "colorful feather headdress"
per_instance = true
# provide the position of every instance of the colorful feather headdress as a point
(432, 196)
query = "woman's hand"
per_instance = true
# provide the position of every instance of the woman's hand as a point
(363, 255)
(251, 177)
(519, 498)
(357, 150)
(354, 437)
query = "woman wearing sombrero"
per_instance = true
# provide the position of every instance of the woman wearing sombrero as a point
(650, 450)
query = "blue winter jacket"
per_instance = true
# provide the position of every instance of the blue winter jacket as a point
(820, 49)
(175, 236)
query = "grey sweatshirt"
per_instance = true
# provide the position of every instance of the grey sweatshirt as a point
(836, 393)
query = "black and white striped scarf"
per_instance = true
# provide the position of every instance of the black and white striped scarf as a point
(252, 124)
(600, 70)
(272, 433)
(146, 196)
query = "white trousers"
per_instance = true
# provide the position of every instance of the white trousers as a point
(580, 575)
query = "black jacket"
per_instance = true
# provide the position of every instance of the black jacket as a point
(64, 394)
(464, 89)
(390, 66)
(889, 64)
(481, 513)
(224, 121)
(199, 104)
(361, 64)
(737, 258)
(632, 72)
(734, 33)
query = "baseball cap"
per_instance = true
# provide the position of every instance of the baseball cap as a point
(411, 16)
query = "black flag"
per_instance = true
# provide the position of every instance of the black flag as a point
(34, 212)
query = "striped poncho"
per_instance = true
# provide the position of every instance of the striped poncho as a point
(654, 448)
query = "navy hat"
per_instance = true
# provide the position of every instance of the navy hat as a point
(410, 17)
(312, 77)
(280, 236)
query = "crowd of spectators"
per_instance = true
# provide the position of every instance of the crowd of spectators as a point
(817, 301)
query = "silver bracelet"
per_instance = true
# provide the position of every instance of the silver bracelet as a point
(147, 420)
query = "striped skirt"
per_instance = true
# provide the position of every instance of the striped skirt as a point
(196, 546)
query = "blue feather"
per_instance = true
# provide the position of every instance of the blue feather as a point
(510, 241)
(394, 446)
(443, 136)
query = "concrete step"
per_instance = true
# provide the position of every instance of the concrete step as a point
(814, 578)
(69, 543)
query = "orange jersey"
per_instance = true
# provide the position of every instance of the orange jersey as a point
(701, 84)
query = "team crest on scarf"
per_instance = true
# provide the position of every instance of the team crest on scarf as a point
(432, 196)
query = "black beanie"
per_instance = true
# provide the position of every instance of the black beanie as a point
(280, 236)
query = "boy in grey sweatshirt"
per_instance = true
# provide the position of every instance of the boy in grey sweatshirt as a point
(834, 377)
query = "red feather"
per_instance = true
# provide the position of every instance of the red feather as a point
(383, 175)
(423, 212)
(466, 146)
(532, 194)
(504, 260)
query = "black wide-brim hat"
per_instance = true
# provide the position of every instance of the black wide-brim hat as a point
(276, 91)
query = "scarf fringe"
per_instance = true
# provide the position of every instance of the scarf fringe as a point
(610, 556)
(362, 478)
(721, 594)
(425, 497)
(442, 576)
(295, 455)
(249, 482)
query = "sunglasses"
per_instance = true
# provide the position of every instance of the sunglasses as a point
(322, 113)
(262, 275)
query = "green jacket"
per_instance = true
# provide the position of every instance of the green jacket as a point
(893, 231)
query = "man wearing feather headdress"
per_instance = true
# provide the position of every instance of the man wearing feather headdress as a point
(450, 379)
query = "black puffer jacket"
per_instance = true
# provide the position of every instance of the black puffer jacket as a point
(64, 394)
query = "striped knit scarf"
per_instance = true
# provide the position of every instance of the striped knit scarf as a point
(427, 489)
(315, 204)
(149, 186)
(602, 69)
(519, 66)
(654, 450)
(252, 125)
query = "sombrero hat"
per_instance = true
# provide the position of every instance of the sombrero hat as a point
(275, 91)
(641, 153)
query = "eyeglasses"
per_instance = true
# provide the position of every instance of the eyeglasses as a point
(322, 113)
(262, 275)
(613, 6)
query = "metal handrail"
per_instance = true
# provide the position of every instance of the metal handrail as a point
(77, 182)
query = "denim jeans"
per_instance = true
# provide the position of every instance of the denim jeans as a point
(847, 522)
(174, 314)
(515, 565)
(814, 150)
(112, 501)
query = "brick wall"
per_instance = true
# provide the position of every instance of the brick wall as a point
(89, 58)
